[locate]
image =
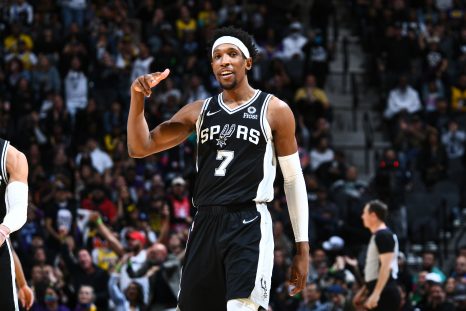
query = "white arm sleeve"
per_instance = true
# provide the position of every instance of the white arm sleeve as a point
(16, 199)
(296, 195)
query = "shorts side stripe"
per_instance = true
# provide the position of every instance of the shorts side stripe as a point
(261, 292)
(13, 275)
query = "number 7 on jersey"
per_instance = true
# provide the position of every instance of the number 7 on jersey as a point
(226, 156)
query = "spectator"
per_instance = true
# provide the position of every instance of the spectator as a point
(321, 154)
(73, 12)
(60, 216)
(454, 141)
(135, 261)
(436, 300)
(51, 302)
(185, 22)
(142, 63)
(402, 98)
(433, 160)
(312, 102)
(196, 90)
(132, 298)
(23, 53)
(45, 78)
(459, 271)
(87, 279)
(458, 95)
(351, 185)
(317, 56)
(99, 201)
(429, 265)
(180, 206)
(86, 298)
(11, 42)
(294, 42)
(100, 160)
(75, 88)
(281, 241)
(22, 12)
(311, 299)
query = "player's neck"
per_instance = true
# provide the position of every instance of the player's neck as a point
(239, 95)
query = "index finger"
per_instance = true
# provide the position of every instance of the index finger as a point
(297, 282)
(31, 301)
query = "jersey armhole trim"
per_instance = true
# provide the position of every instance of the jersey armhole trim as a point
(201, 115)
(3, 161)
(265, 126)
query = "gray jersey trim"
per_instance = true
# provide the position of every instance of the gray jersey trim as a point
(3, 161)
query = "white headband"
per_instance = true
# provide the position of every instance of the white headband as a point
(231, 40)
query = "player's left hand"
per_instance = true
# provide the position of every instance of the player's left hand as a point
(372, 301)
(299, 269)
(26, 296)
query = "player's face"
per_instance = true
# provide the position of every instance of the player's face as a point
(229, 65)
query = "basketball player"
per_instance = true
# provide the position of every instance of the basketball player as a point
(381, 268)
(229, 255)
(13, 212)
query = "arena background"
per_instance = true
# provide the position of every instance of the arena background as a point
(378, 89)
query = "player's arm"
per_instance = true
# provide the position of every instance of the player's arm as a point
(25, 293)
(16, 195)
(143, 142)
(282, 123)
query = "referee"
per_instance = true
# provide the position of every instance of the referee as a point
(381, 267)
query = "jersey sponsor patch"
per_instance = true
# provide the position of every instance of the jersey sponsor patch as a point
(251, 113)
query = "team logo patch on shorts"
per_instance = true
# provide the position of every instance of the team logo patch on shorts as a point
(264, 287)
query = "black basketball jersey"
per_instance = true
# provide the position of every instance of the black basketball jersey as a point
(235, 155)
(3, 177)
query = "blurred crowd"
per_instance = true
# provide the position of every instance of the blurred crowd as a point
(108, 232)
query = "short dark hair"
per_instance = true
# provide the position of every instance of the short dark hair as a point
(379, 208)
(240, 34)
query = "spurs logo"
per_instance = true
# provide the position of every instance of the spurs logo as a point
(226, 132)
(264, 287)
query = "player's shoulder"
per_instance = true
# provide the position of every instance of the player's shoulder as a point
(278, 104)
(279, 114)
(279, 110)
(14, 157)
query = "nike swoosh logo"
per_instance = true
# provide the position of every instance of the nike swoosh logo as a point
(212, 113)
(248, 221)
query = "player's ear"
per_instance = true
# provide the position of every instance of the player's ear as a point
(248, 63)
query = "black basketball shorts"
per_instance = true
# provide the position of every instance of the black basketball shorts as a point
(229, 255)
(8, 296)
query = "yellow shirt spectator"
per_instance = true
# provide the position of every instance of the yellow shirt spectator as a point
(11, 42)
(312, 94)
(458, 99)
(182, 26)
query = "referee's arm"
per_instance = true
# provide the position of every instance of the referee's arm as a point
(384, 274)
